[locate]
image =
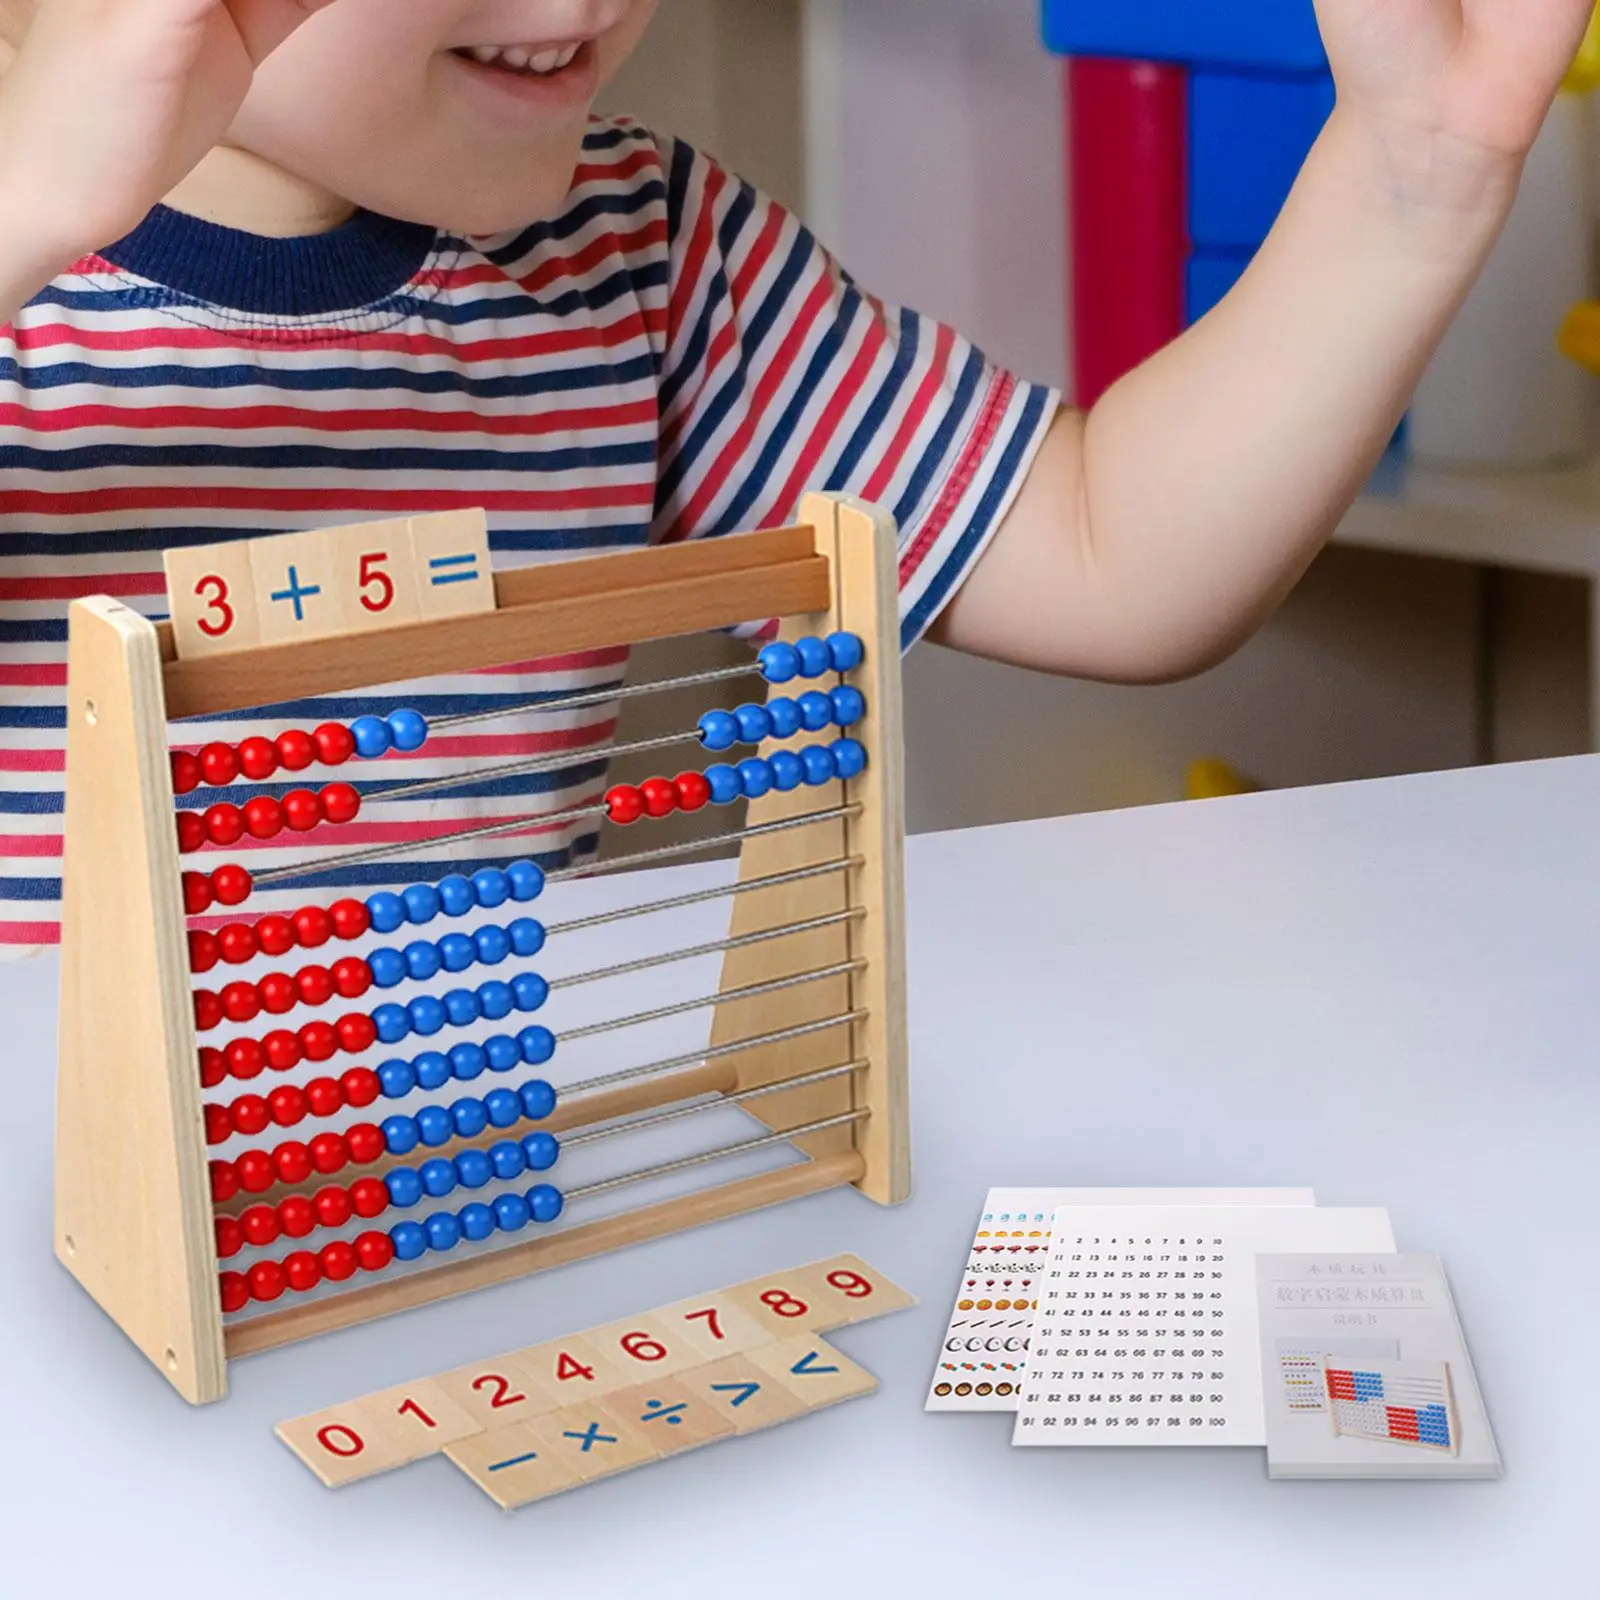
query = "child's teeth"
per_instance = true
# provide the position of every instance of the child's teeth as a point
(546, 61)
(521, 59)
(515, 56)
(486, 53)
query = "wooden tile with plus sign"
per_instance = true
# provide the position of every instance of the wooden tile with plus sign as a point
(813, 1370)
(296, 596)
(514, 1466)
(645, 1347)
(590, 1443)
(497, 1392)
(844, 1290)
(748, 1397)
(675, 1418)
(714, 1325)
(377, 1432)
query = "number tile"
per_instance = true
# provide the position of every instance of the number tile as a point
(378, 1432)
(375, 570)
(570, 1370)
(715, 1325)
(296, 595)
(497, 1393)
(846, 1291)
(590, 1443)
(674, 1418)
(514, 1466)
(814, 1371)
(454, 575)
(748, 1397)
(776, 1304)
(645, 1347)
(211, 594)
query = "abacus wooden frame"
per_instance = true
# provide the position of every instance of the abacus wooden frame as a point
(133, 1213)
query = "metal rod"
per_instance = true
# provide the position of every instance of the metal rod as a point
(689, 952)
(653, 1069)
(750, 992)
(711, 1103)
(727, 1151)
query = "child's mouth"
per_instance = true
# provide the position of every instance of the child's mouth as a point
(544, 79)
(533, 61)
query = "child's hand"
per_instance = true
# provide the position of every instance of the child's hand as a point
(110, 103)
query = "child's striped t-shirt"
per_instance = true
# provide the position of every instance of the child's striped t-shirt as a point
(672, 357)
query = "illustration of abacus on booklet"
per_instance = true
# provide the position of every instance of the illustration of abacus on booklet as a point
(665, 1012)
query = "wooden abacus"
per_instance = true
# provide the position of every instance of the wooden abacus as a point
(808, 1030)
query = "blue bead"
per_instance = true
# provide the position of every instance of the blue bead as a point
(388, 911)
(493, 945)
(527, 936)
(818, 761)
(496, 999)
(427, 1014)
(477, 1221)
(372, 737)
(506, 1159)
(408, 729)
(422, 959)
(544, 1202)
(460, 1006)
(396, 1079)
(846, 651)
(788, 771)
(512, 1213)
(438, 1177)
(538, 1099)
(457, 895)
(474, 1169)
(504, 1107)
(815, 657)
(784, 714)
(422, 903)
(392, 1022)
(725, 785)
(754, 724)
(400, 1135)
(469, 1117)
(433, 1070)
(540, 1151)
(850, 757)
(719, 730)
(467, 1061)
(755, 778)
(458, 951)
(410, 1240)
(404, 1185)
(816, 711)
(849, 705)
(388, 967)
(492, 887)
(503, 1052)
(435, 1126)
(526, 880)
(779, 662)
(529, 991)
(443, 1231)
(537, 1045)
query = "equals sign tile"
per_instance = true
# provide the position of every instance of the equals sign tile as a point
(452, 569)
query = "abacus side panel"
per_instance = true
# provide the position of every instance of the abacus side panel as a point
(133, 1209)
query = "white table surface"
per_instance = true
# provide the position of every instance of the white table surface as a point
(1386, 991)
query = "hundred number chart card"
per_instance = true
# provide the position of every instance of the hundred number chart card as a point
(1146, 1331)
(985, 1347)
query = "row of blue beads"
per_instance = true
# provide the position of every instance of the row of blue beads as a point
(444, 1230)
(472, 1169)
(400, 730)
(783, 718)
(455, 952)
(455, 896)
(811, 658)
(467, 1117)
(533, 1047)
(428, 1013)
(785, 770)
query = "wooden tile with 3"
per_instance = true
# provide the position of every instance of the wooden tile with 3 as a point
(454, 577)
(211, 594)
(377, 1432)
(296, 589)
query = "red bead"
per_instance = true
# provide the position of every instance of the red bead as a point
(339, 1260)
(241, 1002)
(314, 985)
(296, 749)
(624, 804)
(365, 1142)
(250, 1113)
(302, 810)
(369, 1197)
(261, 1224)
(693, 790)
(246, 1059)
(298, 1216)
(292, 1162)
(333, 1206)
(335, 743)
(275, 935)
(224, 824)
(340, 803)
(236, 944)
(231, 885)
(185, 772)
(279, 993)
(356, 1033)
(258, 758)
(313, 927)
(660, 797)
(255, 1171)
(374, 1250)
(224, 1182)
(219, 1125)
(302, 1271)
(204, 951)
(266, 1280)
(235, 1290)
(360, 1086)
(191, 832)
(218, 765)
(319, 1041)
(287, 1103)
(230, 1237)
(213, 1068)
(352, 977)
(283, 1049)
(207, 1009)
(196, 893)
(263, 816)
(324, 1096)
(351, 918)
(329, 1152)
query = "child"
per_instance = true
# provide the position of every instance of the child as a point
(275, 264)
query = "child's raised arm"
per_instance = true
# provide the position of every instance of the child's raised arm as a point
(1154, 535)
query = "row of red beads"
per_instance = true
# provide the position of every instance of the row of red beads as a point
(217, 765)
(349, 977)
(310, 928)
(289, 1104)
(657, 797)
(305, 1269)
(256, 1171)
(299, 1214)
(265, 817)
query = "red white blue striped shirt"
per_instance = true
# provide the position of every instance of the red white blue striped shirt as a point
(671, 357)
